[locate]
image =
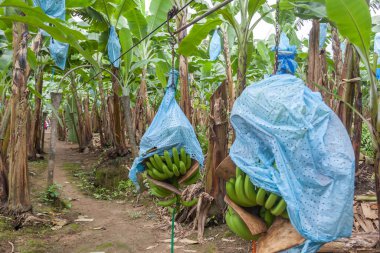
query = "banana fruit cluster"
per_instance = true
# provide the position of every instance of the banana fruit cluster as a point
(243, 193)
(169, 167)
(238, 226)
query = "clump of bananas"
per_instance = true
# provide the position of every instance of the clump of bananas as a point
(238, 226)
(170, 168)
(243, 193)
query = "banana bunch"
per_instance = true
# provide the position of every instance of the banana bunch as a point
(242, 192)
(168, 167)
(237, 225)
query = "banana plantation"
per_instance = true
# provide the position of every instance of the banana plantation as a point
(189, 126)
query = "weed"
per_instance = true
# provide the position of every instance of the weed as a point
(51, 196)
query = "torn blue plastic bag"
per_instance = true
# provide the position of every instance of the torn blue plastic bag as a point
(55, 9)
(215, 46)
(281, 121)
(377, 51)
(114, 48)
(286, 56)
(170, 128)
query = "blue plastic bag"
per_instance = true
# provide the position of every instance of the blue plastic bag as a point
(280, 120)
(377, 51)
(55, 9)
(215, 46)
(286, 56)
(322, 35)
(58, 51)
(170, 128)
(114, 47)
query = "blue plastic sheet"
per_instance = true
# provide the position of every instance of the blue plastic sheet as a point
(322, 35)
(170, 128)
(286, 56)
(55, 9)
(377, 51)
(114, 48)
(215, 46)
(280, 121)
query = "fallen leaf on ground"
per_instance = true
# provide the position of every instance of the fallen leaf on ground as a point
(58, 223)
(152, 247)
(99, 228)
(84, 218)
(227, 240)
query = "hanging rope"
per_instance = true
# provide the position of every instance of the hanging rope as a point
(277, 37)
(171, 14)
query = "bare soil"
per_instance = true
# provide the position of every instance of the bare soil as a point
(117, 226)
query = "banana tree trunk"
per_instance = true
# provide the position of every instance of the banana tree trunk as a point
(106, 136)
(55, 100)
(230, 81)
(185, 102)
(81, 129)
(218, 142)
(19, 192)
(242, 66)
(4, 135)
(88, 125)
(34, 145)
(119, 134)
(125, 101)
(44, 115)
(313, 66)
(140, 118)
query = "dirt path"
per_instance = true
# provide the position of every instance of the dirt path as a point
(124, 230)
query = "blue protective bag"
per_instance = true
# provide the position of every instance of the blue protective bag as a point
(114, 48)
(286, 56)
(170, 128)
(55, 9)
(377, 51)
(279, 119)
(215, 46)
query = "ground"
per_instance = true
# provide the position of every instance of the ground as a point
(117, 225)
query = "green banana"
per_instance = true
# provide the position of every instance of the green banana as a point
(176, 171)
(149, 165)
(182, 167)
(262, 212)
(160, 190)
(188, 162)
(193, 179)
(189, 203)
(239, 172)
(260, 198)
(159, 175)
(152, 175)
(167, 172)
(271, 200)
(239, 227)
(279, 208)
(168, 160)
(231, 193)
(268, 218)
(183, 155)
(153, 162)
(175, 157)
(239, 189)
(166, 203)
(249, 190)
(158, 161)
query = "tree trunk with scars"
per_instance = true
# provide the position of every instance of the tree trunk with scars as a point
(141, 108)
(218, 142)
(242, 67)
(81, 128)
(185, 102)
(19, 192)
(36, 123)
(55, 100)
(106, 135)
(119, 134)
